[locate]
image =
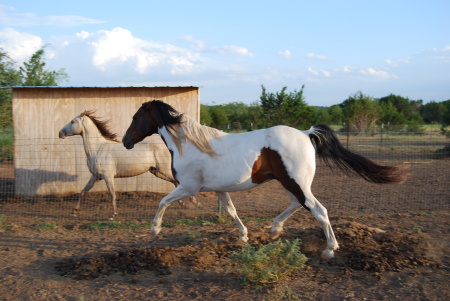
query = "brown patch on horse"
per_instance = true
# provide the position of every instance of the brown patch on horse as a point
(102, 126)
(268, 166)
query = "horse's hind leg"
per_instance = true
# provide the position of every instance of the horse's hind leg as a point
(306, 198)
(83, 193)
(321, 215)
(278, 222)
(225, 199)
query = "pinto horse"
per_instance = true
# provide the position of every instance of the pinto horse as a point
(206, 159)
(107, 159)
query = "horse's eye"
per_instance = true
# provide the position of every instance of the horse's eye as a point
(72, 122)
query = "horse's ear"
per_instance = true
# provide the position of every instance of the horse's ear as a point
(84, 113)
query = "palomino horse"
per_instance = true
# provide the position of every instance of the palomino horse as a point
(206, 159)
(107, 159)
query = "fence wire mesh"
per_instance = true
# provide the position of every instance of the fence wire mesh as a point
(426, 190)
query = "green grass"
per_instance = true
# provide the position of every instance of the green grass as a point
(3, 225)
(133, 225)
(45, 226)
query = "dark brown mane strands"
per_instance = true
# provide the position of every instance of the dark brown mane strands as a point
(102, 125)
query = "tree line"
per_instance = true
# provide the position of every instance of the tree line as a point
(358, 113)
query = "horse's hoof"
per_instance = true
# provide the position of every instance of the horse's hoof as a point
(276, 233)
(111, 218)
(327, 254)
(243, 238)
(156, 231)
(73, 215)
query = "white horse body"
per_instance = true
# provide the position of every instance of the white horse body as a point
(107, 159)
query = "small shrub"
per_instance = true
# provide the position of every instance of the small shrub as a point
(45, 226)
(3, 225)
(417, 229)
(269, 263)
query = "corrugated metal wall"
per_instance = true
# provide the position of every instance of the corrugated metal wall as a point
(45, 164)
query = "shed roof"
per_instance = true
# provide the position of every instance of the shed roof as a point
(94, 87)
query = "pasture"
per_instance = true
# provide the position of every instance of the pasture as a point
(394, 238)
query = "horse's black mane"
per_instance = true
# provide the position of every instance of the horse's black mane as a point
(169, 115)
(102, 126)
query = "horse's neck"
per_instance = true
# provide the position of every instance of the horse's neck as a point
(92, 138)
(168, 140)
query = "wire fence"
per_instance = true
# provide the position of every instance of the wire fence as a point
(426, 190)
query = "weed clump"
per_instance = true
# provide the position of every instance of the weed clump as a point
(269, 263)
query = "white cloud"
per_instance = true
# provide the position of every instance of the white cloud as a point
(315, 72)
(20, 46)
(30, 19)
(396, 64)
(346, 69)
(286, 54)
(119, 46)
(197, 44)
(234, 50)
(316, 56)
(391, 63)
(376, 73)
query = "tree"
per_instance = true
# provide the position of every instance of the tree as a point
(286, 108)
(390, 117)
(237, 115)
(336, 114)
(361, 112)
(446, 118)
(219, 117)
(408, 108)
(34, 74)
(9, 77)
(432, 112)
(322, 115)
(205, 115)
(255, 113)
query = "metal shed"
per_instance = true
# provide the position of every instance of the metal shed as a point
(45, 164)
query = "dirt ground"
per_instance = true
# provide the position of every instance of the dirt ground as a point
(384, 254)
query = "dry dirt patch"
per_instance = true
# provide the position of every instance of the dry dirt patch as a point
(363, 248)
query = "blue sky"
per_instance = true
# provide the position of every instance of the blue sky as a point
(230, 48)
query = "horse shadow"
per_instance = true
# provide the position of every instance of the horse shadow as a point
(28, 181)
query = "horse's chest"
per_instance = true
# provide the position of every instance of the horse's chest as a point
(96, 167)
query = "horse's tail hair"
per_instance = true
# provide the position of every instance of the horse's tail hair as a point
(335, 154)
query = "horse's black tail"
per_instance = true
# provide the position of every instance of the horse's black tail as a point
(333, 153)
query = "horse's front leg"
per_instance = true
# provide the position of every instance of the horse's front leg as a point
(109, 180)
(177, 194)
(83, 193)
(225, 199)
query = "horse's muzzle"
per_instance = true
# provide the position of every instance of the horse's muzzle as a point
(127, 143)
(62, 135)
